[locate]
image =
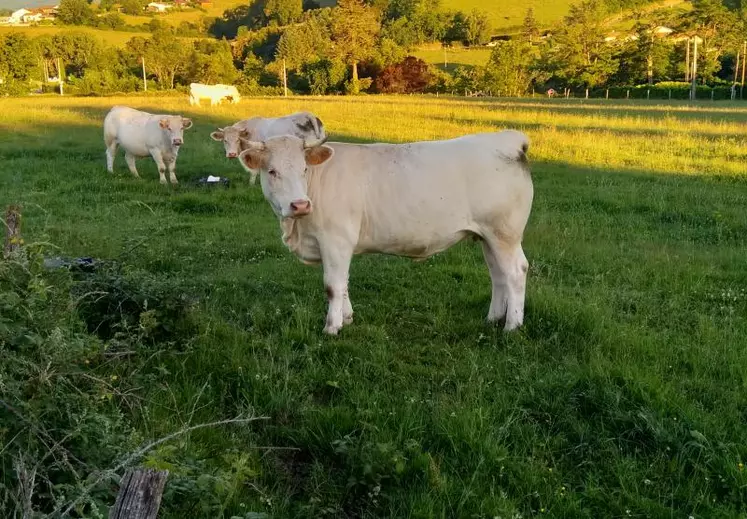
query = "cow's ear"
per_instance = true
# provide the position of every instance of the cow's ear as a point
(164, 123)
(318, 155)
(186, 123)
(217, 136)
(252, 159)
(244, 134)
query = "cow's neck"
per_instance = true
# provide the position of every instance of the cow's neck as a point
(291, 237)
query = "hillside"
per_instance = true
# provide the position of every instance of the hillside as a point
(115, 38)
(509, 15)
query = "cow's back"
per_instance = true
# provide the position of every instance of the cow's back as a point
(133, 129)
(419, 198)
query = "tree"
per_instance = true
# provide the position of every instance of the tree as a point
(133, 7)
(647, 57)
(354, 31)
(720, 29)
(18, 60)
(211, 62)
(165, 56)
(478, 28)
(530, 28)
(412, 75)
(74, 12)
(324, 76)
(509, 71)
(303, 44)
(578, 54)
(283, 12)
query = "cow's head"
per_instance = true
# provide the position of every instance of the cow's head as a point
(309, 126)
(231, 138)
(283, 165)
(174, 126)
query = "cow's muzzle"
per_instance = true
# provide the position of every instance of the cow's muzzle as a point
(300, 208)
(177, 142)
(232, 155)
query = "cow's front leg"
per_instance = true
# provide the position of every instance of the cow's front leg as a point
(336, 264)
(171, 163)
(158, 157)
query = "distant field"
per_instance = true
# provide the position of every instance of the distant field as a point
(454, 57)
(117, 38)
(177, 16)
(508, 15)
(624, 394)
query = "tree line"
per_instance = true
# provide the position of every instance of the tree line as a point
(358, 46)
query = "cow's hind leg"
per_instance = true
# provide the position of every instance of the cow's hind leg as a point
(130, 159)
(508, 273)
(336, 263)
(111, 151)
(347, 308)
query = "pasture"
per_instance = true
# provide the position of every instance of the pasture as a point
(623, 395)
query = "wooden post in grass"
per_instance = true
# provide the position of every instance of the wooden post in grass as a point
(13, 240)
(139, 494)
(285, 80)
(744, 62)
(145, 82)
(694, 76)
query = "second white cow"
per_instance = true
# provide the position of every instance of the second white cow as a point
(142, 134)
(216, 93)
(303, 125)
(414, 200)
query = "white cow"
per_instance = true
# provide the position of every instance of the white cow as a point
(216, 93)
(303, 125)
(142, 134)
(413, 200)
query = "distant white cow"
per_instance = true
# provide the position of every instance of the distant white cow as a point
(416, 200)
(142, 134)
(303, 125)
(216, 93)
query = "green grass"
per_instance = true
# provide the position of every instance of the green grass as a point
(624, 394)
(455, 57)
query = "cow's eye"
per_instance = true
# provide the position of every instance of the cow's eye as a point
(273, 173)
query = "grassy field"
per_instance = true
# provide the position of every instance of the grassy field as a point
(454, 57)
(624, 394)
(116, 38)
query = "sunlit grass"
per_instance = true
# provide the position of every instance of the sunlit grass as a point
(624, 394)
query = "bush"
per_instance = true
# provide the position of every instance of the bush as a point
(410, 76)
(58, 421)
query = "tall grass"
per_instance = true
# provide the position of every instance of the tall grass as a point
(622, 396)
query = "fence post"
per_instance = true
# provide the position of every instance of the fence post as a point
(13, 240)
(587, 93)
(670, 94)
(139, 494)
(648, 95)
(607, 94)
(627, 94)
(712, 94)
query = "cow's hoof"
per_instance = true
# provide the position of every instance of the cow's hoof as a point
(331, 330)
(163, 182)
(348, 319)
(511, 326)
